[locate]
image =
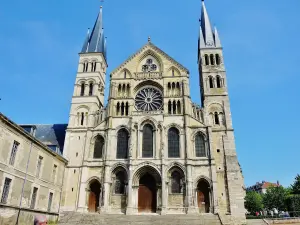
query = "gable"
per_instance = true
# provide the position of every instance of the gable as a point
(149, 58)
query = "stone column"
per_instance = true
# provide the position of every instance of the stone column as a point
(129, 210)
(189, 191)
(106, 190)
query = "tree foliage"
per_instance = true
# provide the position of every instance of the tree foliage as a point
(296, 186)
(275, 198)
(253, 202)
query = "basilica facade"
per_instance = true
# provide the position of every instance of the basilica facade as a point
(151, 149)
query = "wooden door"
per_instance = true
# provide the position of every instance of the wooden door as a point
(201, 202)
(92, 202)
(145, 199)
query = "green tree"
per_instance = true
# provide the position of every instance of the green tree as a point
(253, 202)
(275, 198)
(296, 186)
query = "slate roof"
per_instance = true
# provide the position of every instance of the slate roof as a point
(50, 134)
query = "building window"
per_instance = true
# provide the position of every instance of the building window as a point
(173, 143)
(212, 60)
(52, 147)
(82, 87)
(50, 201)
(120, 183)
(82, 119)
(85, 66)
(94, 66)
(122, 145)
(176, 182)
(98, 148)
(5, 191)
(54, 173)
(206, 60)
(211, 82)
(217, 121)
(147, 141)
(218, 59)
(200, 146)
(219, 85)
(39, 166)
(13, 153)
(91, 89)
(33, 198)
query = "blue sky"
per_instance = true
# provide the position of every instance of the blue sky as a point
(40, 41)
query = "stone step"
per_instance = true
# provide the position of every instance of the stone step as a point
(255, 222)
(91, 219)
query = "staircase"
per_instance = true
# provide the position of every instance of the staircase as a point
(73, 218)
(256, 222)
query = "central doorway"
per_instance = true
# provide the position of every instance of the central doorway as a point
(94, 196)
(147, 194)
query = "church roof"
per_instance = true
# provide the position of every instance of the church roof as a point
(95, 40)
(156, 49)
(208, 38)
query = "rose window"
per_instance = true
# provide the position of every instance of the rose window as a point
(149, 66)
(149, 99)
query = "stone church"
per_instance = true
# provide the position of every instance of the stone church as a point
(151, 149)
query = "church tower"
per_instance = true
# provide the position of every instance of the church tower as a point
(87, 109)
(215, 101)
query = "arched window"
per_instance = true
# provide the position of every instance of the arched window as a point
(147, 141)
(211, 82)
(128, 90)
(91, 89)
(218, 59)
(178, 88)
(85, 66)
(122, 109)
(122, 145)
(178, 107)
(170, 107)
(219, 85)
(173, 143)
(118, 109)
(206, 60)
(94, 66)
(98, 148)
(82, 87)
(125, 74)
(176, 183)
(174, 107)
(212, 59)
(200, 145)
(120, 183)
(82, 119)
(127, 109)
(120, 90)
(173, 73)
(217, 121)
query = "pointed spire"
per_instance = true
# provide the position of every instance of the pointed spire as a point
(217, 39)
(206, 27)
(95, 40)
(201, 39)
(86, 42)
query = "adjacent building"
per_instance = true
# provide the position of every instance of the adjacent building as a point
(262, 187)
(31, 173)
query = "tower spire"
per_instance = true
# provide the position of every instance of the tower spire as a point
(95, 41)
(206, 27)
